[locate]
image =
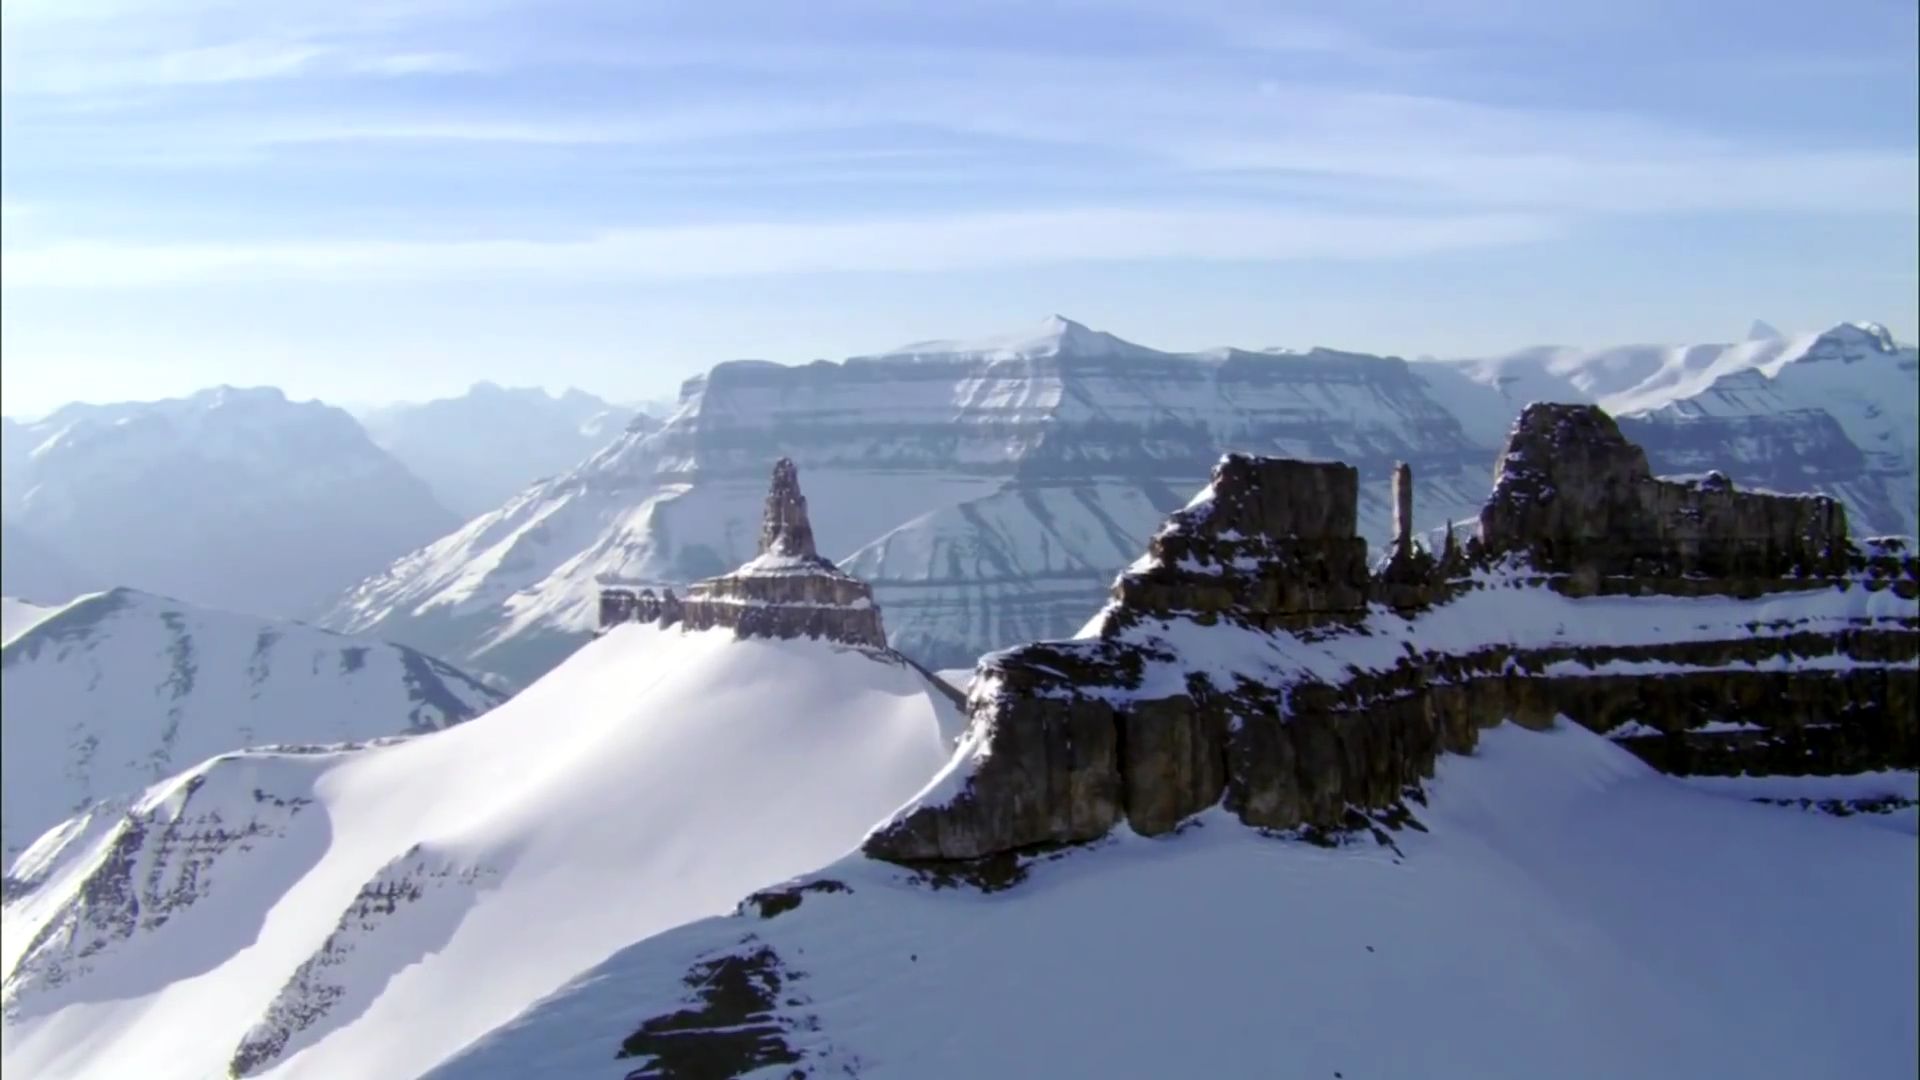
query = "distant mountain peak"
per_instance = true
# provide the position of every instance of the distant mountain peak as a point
(1055, 336)
(1761, 330)
(1849, 340)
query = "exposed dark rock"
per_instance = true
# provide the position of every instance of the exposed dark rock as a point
(1273, 546)
(1076, 737)
(788, 591)
(771, 902)
(732, 1026)
(1576, 498)
(786, 530)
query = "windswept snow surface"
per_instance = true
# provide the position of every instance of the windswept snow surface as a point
(1567, 913)
(19, 616)
(117, 690)
(431, 888)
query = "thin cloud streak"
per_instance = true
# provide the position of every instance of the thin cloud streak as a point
(963, 242)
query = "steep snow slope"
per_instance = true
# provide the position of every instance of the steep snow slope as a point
(367, 912)
(117, 690)
(31, 569)
(477, 450)
(18, 616)
(1561, 910)
(987, 489)
(235, 498)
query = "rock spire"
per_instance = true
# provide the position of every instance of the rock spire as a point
(785, 529)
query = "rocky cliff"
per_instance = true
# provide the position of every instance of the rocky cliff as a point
(1249, 658)
(990, 490)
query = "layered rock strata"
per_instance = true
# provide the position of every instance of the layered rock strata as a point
(786, 591)
(1240, 663)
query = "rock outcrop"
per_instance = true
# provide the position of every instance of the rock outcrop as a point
(786, 591)
(1575, 497)
(1239, 662)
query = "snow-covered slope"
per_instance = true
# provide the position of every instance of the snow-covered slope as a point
(18, 616)
(1619, 378)
(1559, 910)
(367, 912)
(988, 490)
(239, 499)
(114, 691)
(479, 449)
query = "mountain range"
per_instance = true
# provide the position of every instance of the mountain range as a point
(995, 486)
(1269, 810)
(479, 449)
(118, 690)
(234, 498)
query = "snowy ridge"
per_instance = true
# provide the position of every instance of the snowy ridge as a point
(120, 689)
(655, 777)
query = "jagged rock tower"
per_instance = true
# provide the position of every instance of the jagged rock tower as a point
(788, 590)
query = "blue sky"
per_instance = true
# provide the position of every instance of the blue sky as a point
(365, 202)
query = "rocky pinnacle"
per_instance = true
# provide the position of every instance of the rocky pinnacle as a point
(786, 530)
(1402, 511)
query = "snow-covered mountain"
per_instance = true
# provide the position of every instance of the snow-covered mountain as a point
(238, 499)
(31, 569)
(1561, 911)
(998, 484)
(1841, 416)
(367, 911)
(477, 450)
(990, 488)
(117, 690)
(17, 616)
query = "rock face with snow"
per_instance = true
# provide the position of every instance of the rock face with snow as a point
(1576, 498)
(1239, 664)
(1841, 416)
(987, 490)
(118, 690)
(788, 590)
(993, 488)
(238, 499)
(478, 450)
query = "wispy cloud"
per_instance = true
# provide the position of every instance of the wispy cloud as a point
(725, 250)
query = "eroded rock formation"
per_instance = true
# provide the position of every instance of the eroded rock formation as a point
(1576, 498)
(786, 591)
(1239, 662)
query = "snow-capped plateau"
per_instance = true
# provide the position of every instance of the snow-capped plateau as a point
(340, 912)
(987, 490)
(115, 691)
(990, 489)
(1556, 908)
(235, 498)
(477, 450)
